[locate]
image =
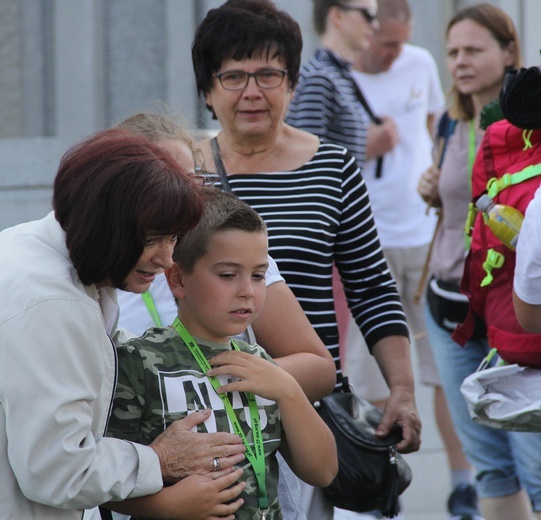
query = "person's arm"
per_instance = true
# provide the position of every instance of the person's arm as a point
(369, 287)
(183, 500)
(527, 279)
(528, 314)
(381, 138)
(428, 186)
(375, 304)
(430, 121)
(392, 354)
(301, 353)
(305, 432)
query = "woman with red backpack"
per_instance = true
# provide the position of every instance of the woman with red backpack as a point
(482, 44)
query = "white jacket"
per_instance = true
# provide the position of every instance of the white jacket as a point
(57, 379)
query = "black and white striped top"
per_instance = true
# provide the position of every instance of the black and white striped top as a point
(326, 105)
(318, 213)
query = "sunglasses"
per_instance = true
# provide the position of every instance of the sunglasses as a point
(369, 14)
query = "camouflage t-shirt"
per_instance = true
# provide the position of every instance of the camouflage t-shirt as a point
(159, 381)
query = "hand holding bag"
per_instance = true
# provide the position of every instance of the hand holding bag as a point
(371, 473)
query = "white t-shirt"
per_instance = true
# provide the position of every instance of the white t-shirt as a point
(527, 282)
(407, 93)
(134, 315)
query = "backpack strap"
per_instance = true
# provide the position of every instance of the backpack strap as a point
(495, 186)
(446, 128)
(493, 260)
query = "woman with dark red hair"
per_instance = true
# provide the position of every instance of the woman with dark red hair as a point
(120, 202)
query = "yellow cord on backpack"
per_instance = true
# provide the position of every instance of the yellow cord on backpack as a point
(526, 136)
(494, 260)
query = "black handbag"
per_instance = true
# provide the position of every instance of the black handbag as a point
(371, 473)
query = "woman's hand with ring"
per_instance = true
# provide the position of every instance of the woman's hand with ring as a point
(183, 452)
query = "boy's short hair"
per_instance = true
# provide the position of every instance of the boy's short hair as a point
(222, 211)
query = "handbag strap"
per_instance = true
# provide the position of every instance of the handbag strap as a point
(218, 161)
(362, 100)
(345, 385)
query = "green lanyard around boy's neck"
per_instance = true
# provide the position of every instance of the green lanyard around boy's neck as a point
(257, 458)
(151, 308)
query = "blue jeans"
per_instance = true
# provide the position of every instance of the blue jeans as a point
(502, 459)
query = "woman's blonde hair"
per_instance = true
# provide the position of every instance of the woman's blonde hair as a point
(158, 127)
(500, 25)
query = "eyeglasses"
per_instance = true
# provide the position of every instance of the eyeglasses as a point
(238, 79)
(369, 14)
(204, 178)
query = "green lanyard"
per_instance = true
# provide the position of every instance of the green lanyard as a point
(151, 308)
(472, 151)
(257, 458)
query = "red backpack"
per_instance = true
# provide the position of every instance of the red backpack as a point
(508, 168)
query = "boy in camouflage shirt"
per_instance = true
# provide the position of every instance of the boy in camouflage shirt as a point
(218, 281)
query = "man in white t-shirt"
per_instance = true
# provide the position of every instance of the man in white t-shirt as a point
(400, 81)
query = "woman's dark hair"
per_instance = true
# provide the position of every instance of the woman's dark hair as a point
(110, 192)
(244, 29)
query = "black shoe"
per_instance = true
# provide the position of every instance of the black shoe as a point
(462, 503)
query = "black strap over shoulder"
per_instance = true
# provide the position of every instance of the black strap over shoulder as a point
(105, 514)
(362, 100)
(218, 161)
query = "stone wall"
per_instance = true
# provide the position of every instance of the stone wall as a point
(69, 68)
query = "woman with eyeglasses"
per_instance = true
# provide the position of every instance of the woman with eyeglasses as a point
(246, 57)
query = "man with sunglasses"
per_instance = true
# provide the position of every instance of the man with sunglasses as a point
(327, 101)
